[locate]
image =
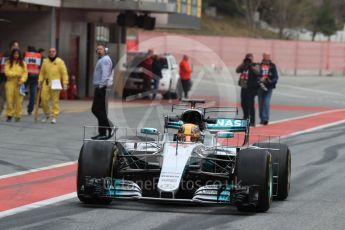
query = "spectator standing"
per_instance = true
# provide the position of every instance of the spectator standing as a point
(268, 80)
(157, 67)
(53, 78)
(185, 75)
(16, 74)
(102, 78)
(3, 59)
(248, 82)
(147, 73)
(33, 60)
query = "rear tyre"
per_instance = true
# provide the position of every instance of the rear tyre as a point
(254, 167)
(281, 155)
(95, 160)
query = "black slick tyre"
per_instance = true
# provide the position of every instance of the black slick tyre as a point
(95, 161)
(254, 167)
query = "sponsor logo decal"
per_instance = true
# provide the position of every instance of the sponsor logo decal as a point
(227, 123)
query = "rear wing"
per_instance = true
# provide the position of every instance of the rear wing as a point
(221, 109)
(231, 125)
(227, 124)
(232, 111)
(188, 104)
(219, 124)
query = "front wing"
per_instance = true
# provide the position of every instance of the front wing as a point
(218, 194)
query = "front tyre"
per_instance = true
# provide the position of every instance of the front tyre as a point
(254, 167)
(95, 161)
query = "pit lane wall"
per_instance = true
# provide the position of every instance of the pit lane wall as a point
(291, 57)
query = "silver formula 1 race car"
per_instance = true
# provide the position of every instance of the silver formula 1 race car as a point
(197, 163)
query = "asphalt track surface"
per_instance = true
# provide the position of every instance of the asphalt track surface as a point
(317, 195)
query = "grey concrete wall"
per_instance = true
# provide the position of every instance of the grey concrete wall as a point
(73, 23)
(29, 28)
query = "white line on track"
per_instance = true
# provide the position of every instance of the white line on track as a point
(322, 99)
(308, 115)
(74, 194)
(37, 169)
(38, 204)
(314, 129)
(318, 91)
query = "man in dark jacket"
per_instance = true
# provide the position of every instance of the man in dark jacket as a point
(147, 73)
(268, 80)
(33, 60)
(248, 81)
(157, 67)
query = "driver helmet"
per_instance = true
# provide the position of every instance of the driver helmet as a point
(189, 133)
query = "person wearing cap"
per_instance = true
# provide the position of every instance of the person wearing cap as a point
(53, 78)
(268, 80)
(16, 74)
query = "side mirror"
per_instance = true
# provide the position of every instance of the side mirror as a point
(225, 135)
(149, 131)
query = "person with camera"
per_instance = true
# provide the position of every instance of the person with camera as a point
(248, 82)
(268, 80)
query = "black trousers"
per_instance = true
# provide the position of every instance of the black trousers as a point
(186, 85)
(99, 110)
(248, 103)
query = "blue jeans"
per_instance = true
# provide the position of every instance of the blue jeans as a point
(32, 84)
(264, 104)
